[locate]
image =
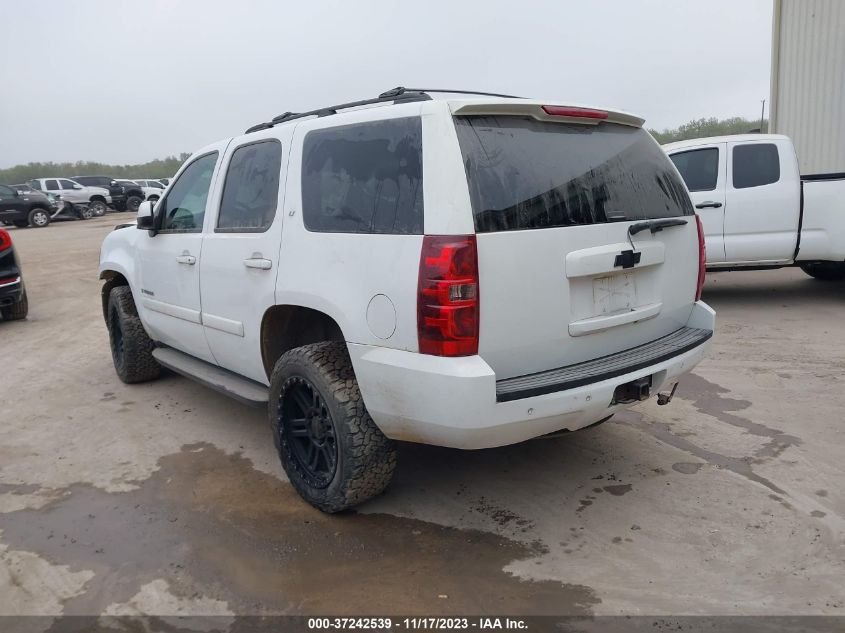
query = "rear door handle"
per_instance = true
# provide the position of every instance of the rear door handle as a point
(186, 259)
(258, 262)
(709, 204)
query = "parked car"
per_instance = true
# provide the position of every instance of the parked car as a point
(505, 270)
(152, 188)
(757, 210)
(124, 197)
(59, 209)
(164, 181)
(13, 302)
(150, 193)
(23, 209)
(71, 191)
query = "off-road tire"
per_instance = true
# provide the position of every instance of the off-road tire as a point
(98, 208)
(39, 218)
(131, 348)
(825, 271)
(16, 311)
(366, 458)
(133, 202)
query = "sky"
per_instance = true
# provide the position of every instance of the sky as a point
(127, 81)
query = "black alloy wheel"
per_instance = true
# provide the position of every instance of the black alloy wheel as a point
(307, 432)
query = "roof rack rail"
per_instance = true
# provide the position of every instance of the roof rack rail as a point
(400, 94)
(400, 90)
(403, 97)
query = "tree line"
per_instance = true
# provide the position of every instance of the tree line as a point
(166, 167)
(159, 168)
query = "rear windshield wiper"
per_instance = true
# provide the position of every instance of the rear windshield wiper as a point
(655, 225)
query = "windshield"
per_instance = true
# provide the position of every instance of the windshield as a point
(529, 174)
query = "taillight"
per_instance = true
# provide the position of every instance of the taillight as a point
(5, 240)
(583, 113)
(702, 259)
(447, 296)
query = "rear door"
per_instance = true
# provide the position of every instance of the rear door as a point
(764, 202)
(561, 278)
(704, 170)
(12, 204)
(241, 250)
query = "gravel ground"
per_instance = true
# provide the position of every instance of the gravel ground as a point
(168, 498)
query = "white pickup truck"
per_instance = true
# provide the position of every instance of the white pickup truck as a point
(757, 210)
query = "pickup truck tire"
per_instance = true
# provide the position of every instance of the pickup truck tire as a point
(38, 218)
(318, 417)
(825, 271)
(98, 208)
(133, 202)
(16, 311)
(131, 348)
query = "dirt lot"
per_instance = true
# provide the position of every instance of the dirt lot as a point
(168, 498)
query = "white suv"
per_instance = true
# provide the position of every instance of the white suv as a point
(467, 272)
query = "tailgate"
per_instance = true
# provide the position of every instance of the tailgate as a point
(562, 280)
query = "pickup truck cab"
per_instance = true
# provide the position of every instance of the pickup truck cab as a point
(466, 272)
(757, 210)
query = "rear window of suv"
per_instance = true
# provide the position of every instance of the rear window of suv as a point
(364, 178)
(529, 174)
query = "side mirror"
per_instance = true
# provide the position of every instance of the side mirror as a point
(77, 187)
(146, 218)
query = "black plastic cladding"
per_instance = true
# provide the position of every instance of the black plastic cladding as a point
(396, 95)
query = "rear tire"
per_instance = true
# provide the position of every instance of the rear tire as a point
(317, 415)
(825, 271)
(98, 208)
(133, 202)
(39, 218)
(131, 348)
(16, 311)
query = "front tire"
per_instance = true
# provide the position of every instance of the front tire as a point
(131, 348)
(39, 218)
(16, 311)
(98, 208)
(825, 271)
(333, 453)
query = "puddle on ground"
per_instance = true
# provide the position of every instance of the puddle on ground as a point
(212, 526)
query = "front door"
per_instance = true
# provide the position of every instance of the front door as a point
(169, 261)
(704, 172)
(241, 251)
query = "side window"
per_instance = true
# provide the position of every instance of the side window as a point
(183, 209)
(35, 184)
(51, 185)
(364, 178)
(755, 165)
(155, 184)
(6, 192)
(699, 168)
(251, 190)
(66, 184)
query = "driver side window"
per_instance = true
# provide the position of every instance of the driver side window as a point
(183, 209)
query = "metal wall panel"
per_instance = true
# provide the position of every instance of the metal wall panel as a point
(808, 81)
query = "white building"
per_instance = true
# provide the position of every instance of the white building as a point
(807, 101)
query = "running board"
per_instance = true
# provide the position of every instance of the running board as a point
(226, 382)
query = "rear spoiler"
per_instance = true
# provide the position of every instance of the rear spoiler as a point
(554, 113)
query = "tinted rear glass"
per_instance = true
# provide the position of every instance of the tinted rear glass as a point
(755, 165)
(529, 174)
(364, 178)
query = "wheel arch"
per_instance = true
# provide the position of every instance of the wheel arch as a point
(285, 327)
(113, 279)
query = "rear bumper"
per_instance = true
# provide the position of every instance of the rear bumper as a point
(11, 290)
(453, 401)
